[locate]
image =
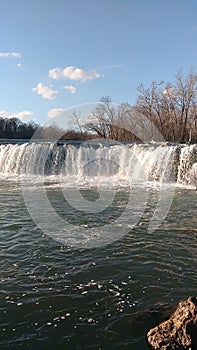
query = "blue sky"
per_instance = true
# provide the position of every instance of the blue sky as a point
(55, 54)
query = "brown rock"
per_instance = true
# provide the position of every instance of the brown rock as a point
(179, 331)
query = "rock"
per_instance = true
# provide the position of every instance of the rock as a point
(179, 331)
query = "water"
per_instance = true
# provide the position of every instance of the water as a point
(169, 163)
(106, 297)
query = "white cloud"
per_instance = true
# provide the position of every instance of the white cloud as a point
(23, 115)
(45, 91)
(10, 54)
(170, 92)
(19, 65)
(73, 73)
(56, 112)
(113, 66)
(70, 88)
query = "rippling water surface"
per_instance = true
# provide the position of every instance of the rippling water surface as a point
(54, 296)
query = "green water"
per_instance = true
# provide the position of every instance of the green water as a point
(56, 297)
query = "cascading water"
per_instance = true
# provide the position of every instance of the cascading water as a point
(88, 258)
(139, 162)
(187, 165)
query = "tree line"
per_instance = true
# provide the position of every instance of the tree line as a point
(14, 128)
(165, 111)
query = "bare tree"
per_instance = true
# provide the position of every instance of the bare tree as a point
(186, 89)
(171, 109)
(101, 120)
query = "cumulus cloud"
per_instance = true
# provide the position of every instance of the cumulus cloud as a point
(23, 115)
(170, 92)
(45, 91)
(56, 112)
(73, 73)
(10, 54)
(70, 88)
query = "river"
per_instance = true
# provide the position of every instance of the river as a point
(127, 256)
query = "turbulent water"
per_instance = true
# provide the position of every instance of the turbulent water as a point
(61, 296)
(175, 163)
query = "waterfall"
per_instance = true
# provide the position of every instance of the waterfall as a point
(141, 162)
(188, 165)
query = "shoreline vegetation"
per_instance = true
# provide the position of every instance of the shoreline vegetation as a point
(163, 110)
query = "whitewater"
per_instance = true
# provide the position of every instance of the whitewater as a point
(98, 242)
(92, 161)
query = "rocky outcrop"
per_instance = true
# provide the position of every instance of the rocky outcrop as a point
(179, 331)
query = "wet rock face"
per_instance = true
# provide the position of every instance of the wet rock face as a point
(179, 331)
